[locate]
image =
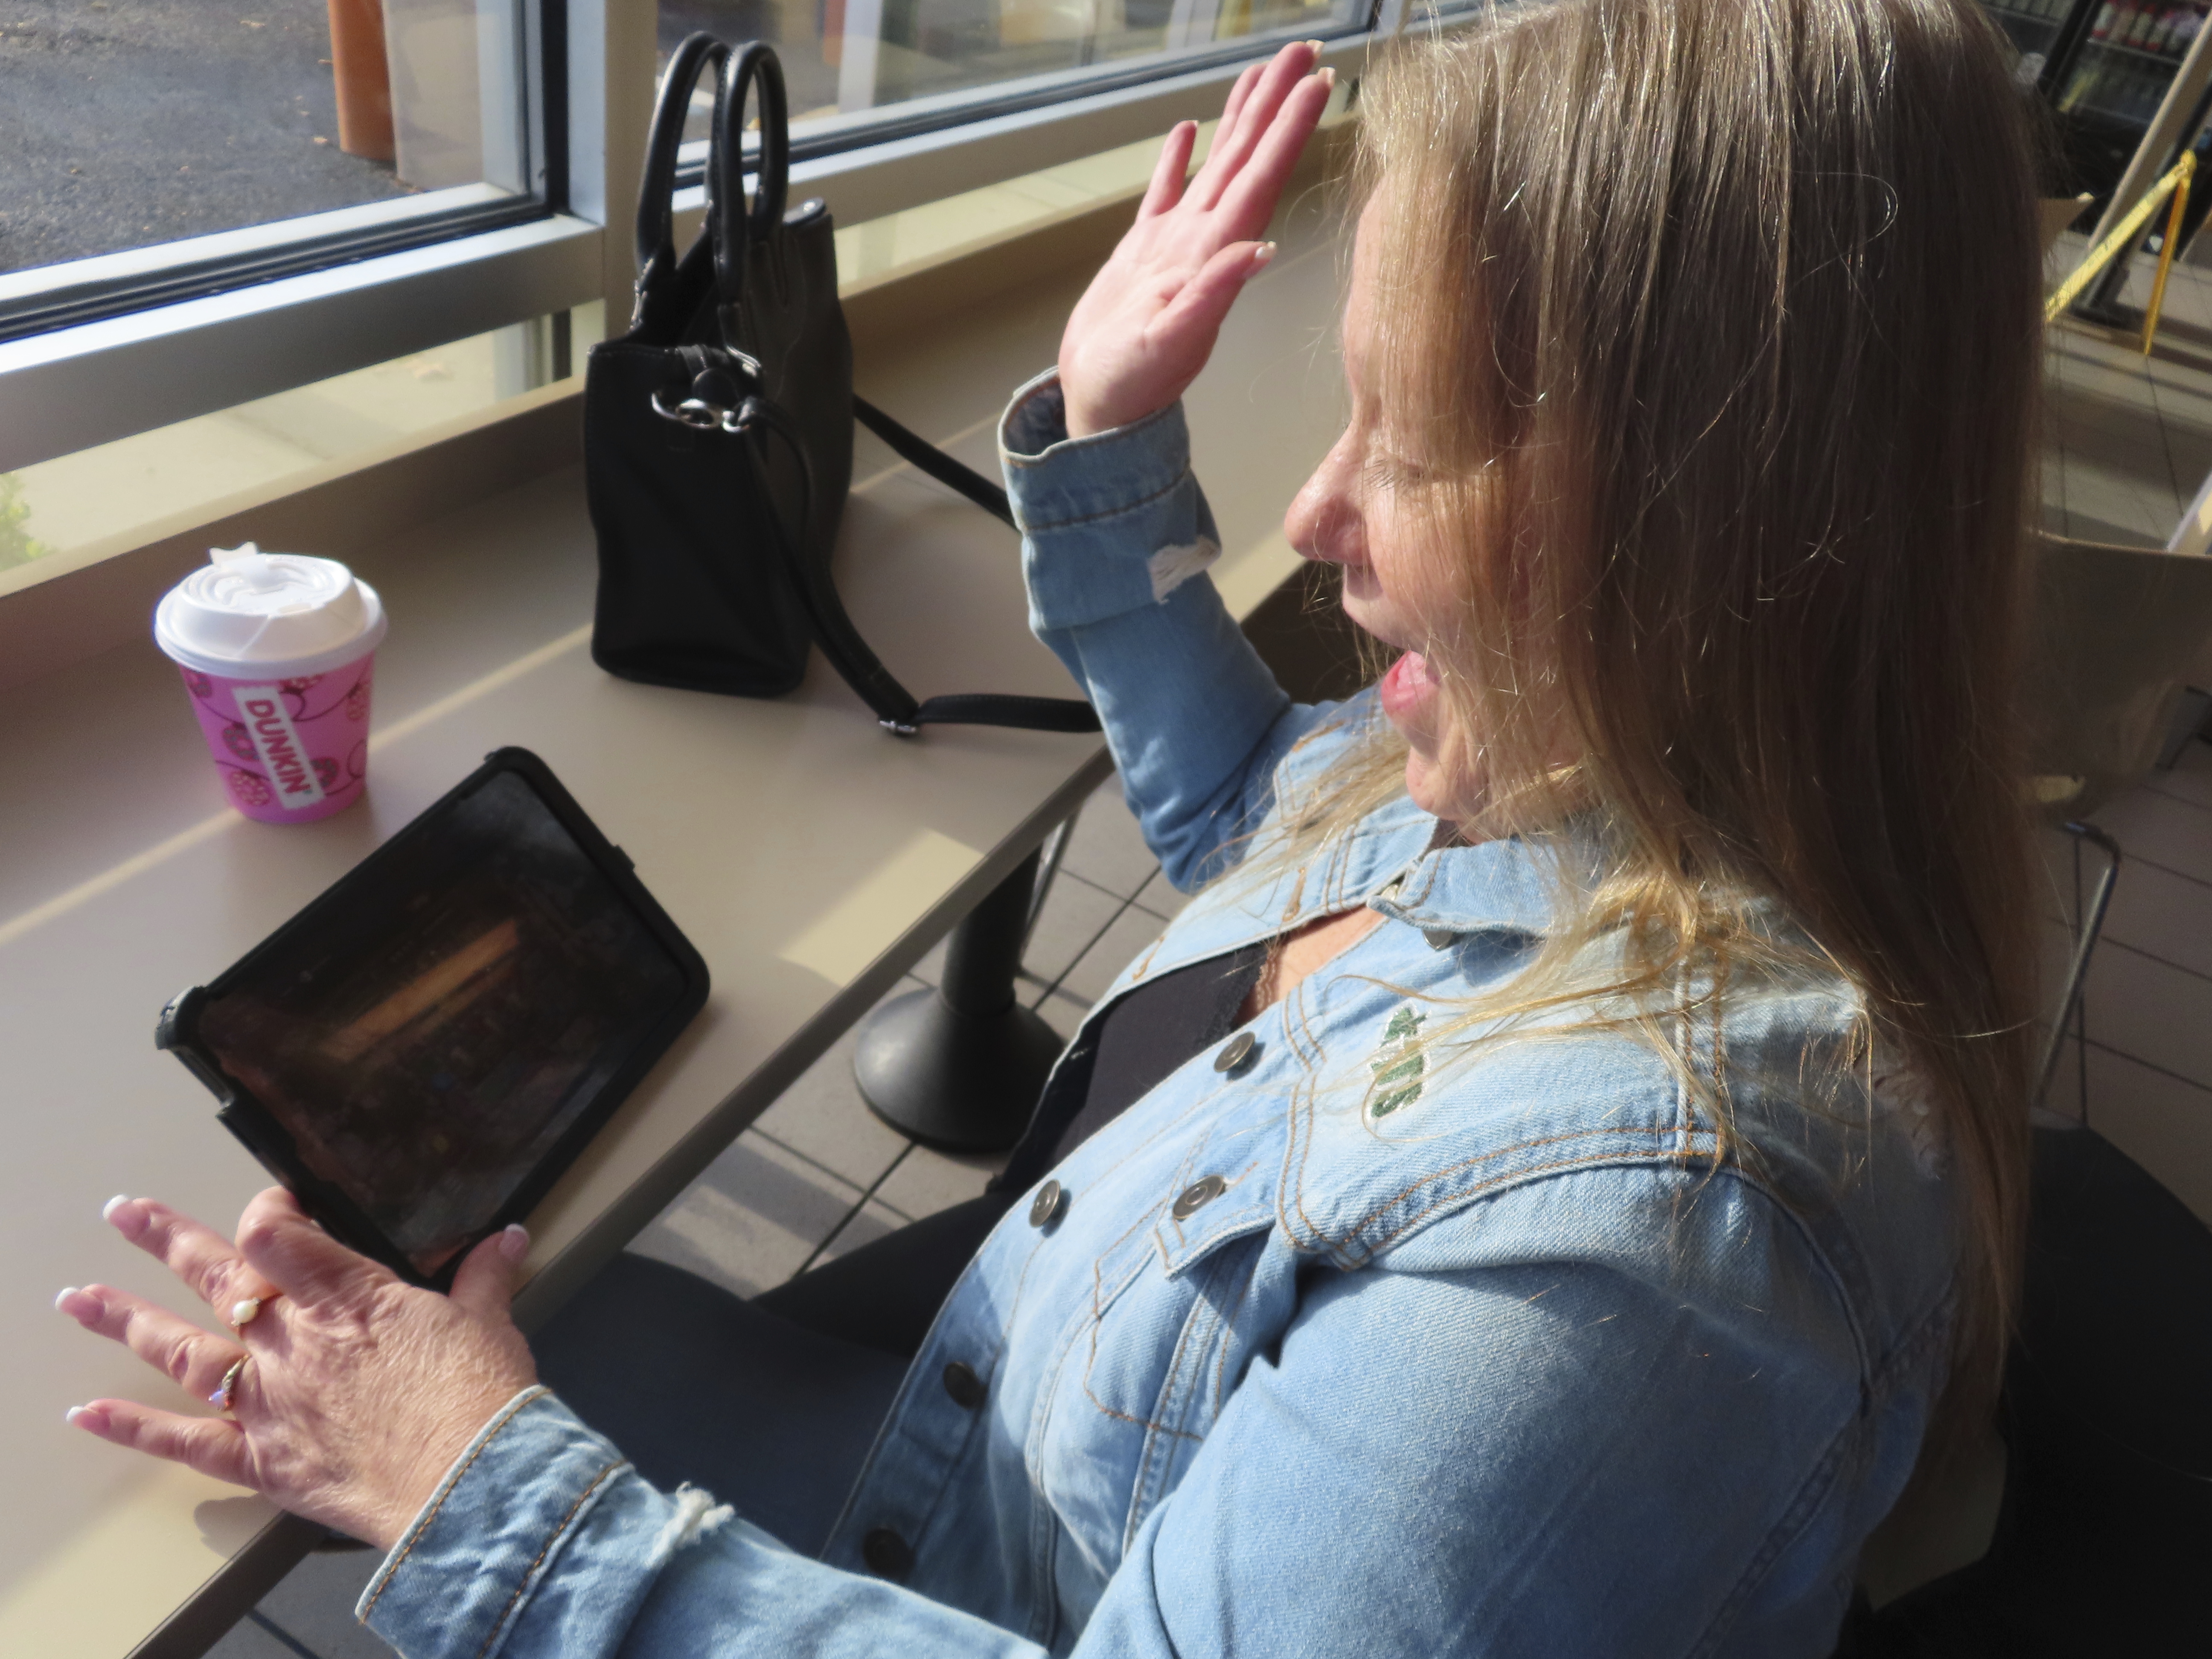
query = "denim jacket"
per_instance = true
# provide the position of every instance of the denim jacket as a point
(1346, 1347)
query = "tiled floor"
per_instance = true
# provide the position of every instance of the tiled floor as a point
(2130, 443)
(2147, 1061)
(818, 1173)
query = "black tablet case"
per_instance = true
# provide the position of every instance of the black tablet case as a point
(251, 1120)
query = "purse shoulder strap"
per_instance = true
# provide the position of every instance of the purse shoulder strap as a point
(896, 709)
(926, 457)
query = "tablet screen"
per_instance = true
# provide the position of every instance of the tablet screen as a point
(427, 1041)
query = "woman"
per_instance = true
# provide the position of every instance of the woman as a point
(1581, 1156)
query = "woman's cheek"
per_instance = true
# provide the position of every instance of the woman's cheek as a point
(1443, 772)
(1361, 594)
(1378, 608)
(1425, 784)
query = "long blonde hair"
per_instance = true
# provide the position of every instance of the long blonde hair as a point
(1715, 325)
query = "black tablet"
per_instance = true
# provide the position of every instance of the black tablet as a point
(420, 1052)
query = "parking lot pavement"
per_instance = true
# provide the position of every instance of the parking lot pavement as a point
(124, 123)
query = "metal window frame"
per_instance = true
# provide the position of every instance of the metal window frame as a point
(92, 381)
(941, 160)
(52, 297)
(965, 107)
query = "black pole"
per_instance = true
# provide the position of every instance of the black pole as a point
(960, 1067)
(985, 952)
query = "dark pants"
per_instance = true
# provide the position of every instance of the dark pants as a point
(771, 1404)
(2107, 1519)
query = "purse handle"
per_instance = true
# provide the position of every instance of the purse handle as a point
(656, 206)
(752, 67)
(734, 225)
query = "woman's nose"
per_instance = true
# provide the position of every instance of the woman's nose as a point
(1323, 520)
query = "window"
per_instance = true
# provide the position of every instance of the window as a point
(848, 63)
(207, 254)
(143, 137)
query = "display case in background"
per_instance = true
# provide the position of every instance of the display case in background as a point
(2104, 67)
(2035, 28)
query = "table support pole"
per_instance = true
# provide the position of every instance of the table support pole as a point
(960, 1067)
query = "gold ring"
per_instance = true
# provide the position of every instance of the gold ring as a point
(221, 1397)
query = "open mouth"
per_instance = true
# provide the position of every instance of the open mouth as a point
(1407, 692)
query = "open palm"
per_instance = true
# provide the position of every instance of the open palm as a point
(1147, 323)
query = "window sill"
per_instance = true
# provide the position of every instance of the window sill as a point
(100, 381)
(906, 272)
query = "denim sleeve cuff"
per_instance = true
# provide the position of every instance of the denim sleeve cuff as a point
(488, 1540)
(1111, 522)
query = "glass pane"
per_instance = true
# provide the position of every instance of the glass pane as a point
(843, 58)
(2031, 26)
(63, 514)
(127, 122)
(2129, 59)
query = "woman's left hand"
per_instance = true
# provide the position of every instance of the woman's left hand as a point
(1147, 323)
(362, 1388)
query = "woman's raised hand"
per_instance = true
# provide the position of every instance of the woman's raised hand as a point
(1146, 325)
(361, 1389)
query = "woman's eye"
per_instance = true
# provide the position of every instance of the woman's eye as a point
(1395, 472)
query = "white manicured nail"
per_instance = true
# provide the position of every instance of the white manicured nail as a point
(72, 1415)
(107, 1210)
(515, 1243)
(67, 1292)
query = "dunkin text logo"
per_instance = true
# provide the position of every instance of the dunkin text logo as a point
(262, 708)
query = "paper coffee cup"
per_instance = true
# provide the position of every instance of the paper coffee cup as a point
(278, 652)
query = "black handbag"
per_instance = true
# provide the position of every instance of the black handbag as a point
(718, 434)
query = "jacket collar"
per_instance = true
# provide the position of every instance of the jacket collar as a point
(1510, 885)
(1389, 863)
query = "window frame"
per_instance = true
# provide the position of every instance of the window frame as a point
(166, 334)
(44, 299)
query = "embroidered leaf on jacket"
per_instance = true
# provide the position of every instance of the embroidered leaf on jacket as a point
(1398, 1064)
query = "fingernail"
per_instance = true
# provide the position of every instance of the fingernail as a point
(1263, 253)
(515, 1243)
(68, 1291)
(84, 1417)
(107, 1210)
(1328, 78)
(1315, 44)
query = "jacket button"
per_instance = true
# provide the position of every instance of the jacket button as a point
(1196, 1196)
(1235, 1053)
(967, 1390)
(1044, 1209)
(888, 1555)
(1440, 939)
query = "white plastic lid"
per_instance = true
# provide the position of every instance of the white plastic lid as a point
(266, 613)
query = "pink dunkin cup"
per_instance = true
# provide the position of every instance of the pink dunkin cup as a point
(277, 650)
